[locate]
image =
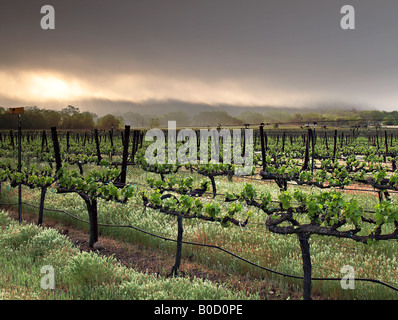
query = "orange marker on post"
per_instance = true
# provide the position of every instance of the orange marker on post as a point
(17, 110)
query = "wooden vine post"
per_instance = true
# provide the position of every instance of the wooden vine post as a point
(262, 145)
(313, 136)
(99, 157)
(43, 140)
(334, 145)
(126, 140)
(307, 151)
(41, 206)
(18, 112)
(57, 153)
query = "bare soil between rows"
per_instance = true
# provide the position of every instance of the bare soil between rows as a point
(154, 261)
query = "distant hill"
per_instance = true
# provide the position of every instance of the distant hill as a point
(102, 107)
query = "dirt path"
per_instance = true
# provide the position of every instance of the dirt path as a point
(150, 260)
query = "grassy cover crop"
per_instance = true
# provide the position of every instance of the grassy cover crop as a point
(26, 248)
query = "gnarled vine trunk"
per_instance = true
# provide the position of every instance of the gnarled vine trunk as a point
(174, 270)
(306, 258)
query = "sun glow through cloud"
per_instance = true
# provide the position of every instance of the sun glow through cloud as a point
(51, 87)
(39, 86)
(44, 86)
(225, 52)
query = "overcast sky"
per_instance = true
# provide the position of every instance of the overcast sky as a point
(240, 52)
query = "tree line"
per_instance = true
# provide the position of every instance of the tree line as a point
(67, 118)
(72, 118)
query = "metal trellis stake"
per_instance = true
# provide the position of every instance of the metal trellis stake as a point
(18, 112)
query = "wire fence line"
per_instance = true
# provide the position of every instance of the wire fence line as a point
(207, 246)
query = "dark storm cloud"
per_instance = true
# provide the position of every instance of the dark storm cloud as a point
(296, 46)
